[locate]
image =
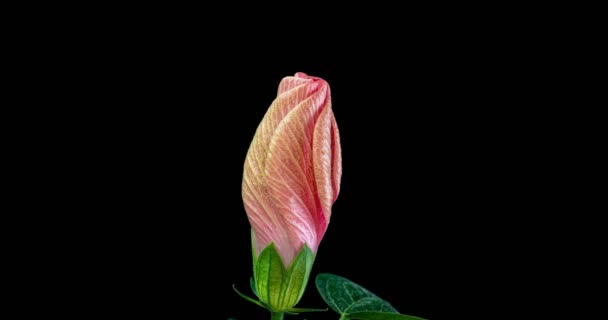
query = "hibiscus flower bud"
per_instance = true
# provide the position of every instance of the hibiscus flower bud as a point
(291, 179)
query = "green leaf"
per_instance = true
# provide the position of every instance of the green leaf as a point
(341, 294)
(354, 302)
(370, 304)
(380, 316)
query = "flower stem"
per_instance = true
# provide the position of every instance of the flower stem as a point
(276, 315)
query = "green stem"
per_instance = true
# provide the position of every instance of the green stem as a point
(276, 315)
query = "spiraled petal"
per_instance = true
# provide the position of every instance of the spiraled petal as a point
(290, 176)
(323, 157)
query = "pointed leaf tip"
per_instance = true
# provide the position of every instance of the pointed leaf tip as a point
(354, 302)
(342, 294)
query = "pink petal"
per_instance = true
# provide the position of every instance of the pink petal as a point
(336, 148)
(293, 168)
(322, 164)
(291, 180)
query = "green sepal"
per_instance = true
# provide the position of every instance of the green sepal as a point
(252, 285)
(269, 276)
(297, 276)
(255, 271)
(277, 286)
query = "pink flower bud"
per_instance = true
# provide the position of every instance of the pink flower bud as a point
(293, 168)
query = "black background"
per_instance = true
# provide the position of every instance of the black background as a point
(176, 166)
(164, 122)
(411, 166)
